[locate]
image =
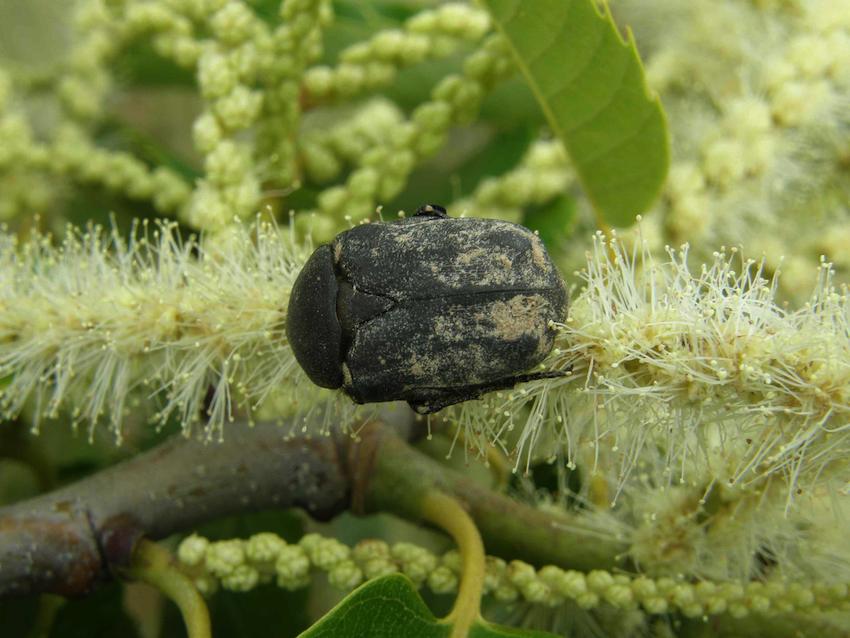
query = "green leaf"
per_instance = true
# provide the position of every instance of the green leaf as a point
(589, 83)
(384, 607)
(390, 606)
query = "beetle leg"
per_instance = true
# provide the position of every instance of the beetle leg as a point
(536, 376)
(435, 399)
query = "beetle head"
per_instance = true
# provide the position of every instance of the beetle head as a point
(312, 327)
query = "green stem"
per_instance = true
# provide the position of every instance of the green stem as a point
(153, 565)
(397, 478)
(447, 513)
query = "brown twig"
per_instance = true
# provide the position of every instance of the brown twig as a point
(63, 542)
(394, 477)
(68, 541)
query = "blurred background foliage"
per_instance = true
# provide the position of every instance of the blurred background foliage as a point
(754, 163)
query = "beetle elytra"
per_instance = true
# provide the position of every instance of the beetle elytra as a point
(431, 310)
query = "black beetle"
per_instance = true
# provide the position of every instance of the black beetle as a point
(431, 310)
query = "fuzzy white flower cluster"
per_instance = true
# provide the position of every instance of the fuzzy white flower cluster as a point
(696, 378)
(708, 424)
(88, 326)
(703, 369)
(756, 94)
